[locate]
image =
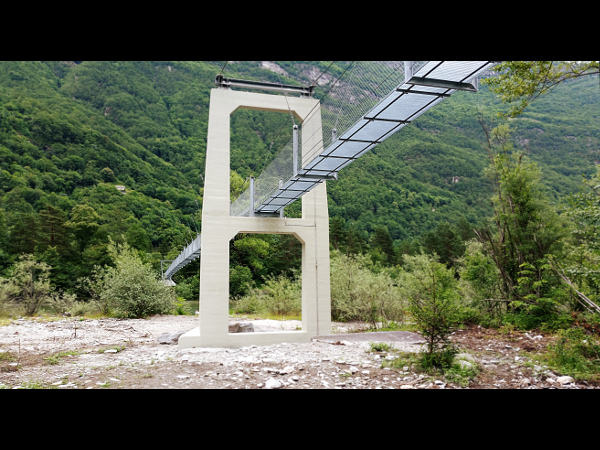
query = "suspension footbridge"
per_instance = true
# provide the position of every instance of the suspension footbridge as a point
(368, 103)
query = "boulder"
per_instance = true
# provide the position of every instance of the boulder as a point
(170, 338)
(241, 327)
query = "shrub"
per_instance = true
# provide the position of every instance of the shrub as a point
(94, 286)
(30, 284)
(62, 302)
(576, 353)
(283, 296)
(279, 296)
(359, 293)
(180, 308)
(6, 293)
(249, 304)
(132, 289)
(83, 308)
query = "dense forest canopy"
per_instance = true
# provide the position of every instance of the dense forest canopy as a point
(72, 131)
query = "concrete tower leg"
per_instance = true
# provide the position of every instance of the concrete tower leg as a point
(218, 228)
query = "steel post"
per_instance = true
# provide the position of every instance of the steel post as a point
(408, 70)
(295, 151)
(251, 214)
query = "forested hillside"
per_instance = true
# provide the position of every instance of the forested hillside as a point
(71, 131)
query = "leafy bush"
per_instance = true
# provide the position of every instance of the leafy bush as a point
(279, 296)
(576, 353)
(248, 304)
(462, 374)
(30, 284)
(283, 296)
(380, 347)
(6, 293)
(180, 308)
(62, 302)
(94, 286)
(359, 293)
(82, 308)
(132, 289)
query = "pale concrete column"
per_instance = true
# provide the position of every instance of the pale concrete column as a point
(218, 228)
(214, 264)
(315, 263)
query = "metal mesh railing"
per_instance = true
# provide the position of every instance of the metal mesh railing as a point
(362, 86)
(362, 108)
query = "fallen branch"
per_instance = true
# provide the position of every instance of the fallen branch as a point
(583, 299)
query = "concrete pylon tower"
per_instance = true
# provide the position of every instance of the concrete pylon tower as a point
(218, 228)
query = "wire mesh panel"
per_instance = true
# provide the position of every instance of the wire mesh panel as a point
(366, 105)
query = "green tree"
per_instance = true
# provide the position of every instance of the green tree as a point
(108, 175)
(382, 240)
(53, 231)
(445, 242)
(237, 185)
(137, 237)
(84, 224)
(355, 242)
(23, 234)
(337, 232)
(525, 81)
(240, 281)
(4, 255)
(583, 262)
(525, 228)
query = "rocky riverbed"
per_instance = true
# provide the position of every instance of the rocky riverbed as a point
(112, 353)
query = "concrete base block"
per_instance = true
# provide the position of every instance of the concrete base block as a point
(192, 339)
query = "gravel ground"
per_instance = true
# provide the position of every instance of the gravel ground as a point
(112, 353)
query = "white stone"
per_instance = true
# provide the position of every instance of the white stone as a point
(407, 387)
(465, 364)
(111, 351)
(565, 380)
(272, 384)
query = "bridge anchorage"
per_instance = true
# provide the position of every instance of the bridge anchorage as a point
(331, 135)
